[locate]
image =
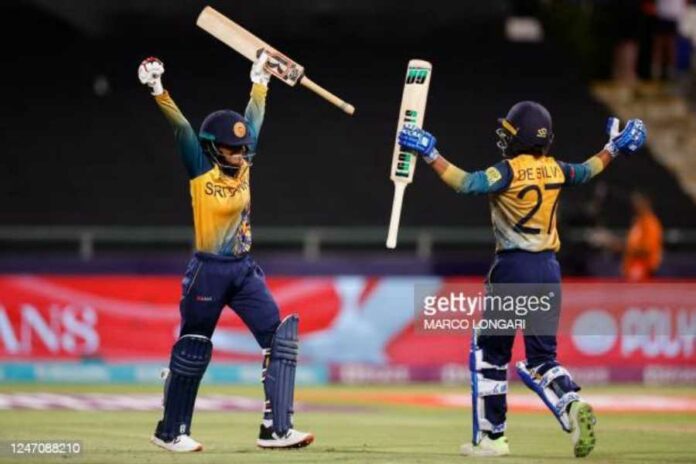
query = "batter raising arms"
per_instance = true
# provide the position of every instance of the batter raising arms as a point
(222, 272)
(524, 189)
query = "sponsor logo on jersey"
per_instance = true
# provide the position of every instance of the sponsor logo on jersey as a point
(493, 175)
(224, 191)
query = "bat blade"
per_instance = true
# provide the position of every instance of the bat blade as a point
(413, 103)
(230, 33)
(250, 46)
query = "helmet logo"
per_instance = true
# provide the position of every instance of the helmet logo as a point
(239, 129)
(542, 133)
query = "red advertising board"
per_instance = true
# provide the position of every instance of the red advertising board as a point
(343, 320)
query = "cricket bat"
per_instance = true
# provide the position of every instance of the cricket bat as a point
(413, 102)
(248, 45)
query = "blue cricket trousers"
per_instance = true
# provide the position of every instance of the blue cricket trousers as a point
(518, 274)
(536, 273)
(212, 282)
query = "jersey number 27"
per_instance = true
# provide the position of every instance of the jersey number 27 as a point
(520, 227)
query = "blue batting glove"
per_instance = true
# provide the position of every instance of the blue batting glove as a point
(413, 138)
(629, 140)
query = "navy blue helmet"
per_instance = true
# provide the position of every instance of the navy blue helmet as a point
(527, 128)
(225, 128)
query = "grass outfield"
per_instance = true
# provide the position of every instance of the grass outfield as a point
(374, 432)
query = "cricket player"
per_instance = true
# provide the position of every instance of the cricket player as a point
(523, 191)
(222, 272)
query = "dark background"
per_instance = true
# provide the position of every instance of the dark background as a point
(73, 155)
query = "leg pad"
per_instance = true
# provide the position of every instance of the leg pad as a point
(488, 394)
(190, 358)
(554, 385)
(279, 376)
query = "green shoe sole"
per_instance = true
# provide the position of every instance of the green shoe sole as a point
(586, 423)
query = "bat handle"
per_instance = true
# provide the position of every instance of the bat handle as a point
(322, 92)
(399, 189)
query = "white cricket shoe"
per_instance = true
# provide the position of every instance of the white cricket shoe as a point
(181, 444)
(486, 448)
(292, 439)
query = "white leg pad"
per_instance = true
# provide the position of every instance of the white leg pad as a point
(483, 387)
(542, 385)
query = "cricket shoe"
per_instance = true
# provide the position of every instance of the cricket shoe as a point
(486, 447)
(582, 423)
(181, 444)
(268, 439)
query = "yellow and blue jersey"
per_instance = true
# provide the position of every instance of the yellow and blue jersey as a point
(524, 213)
(524, 192)
(221, 203)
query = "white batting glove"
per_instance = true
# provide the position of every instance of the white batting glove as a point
(259, 74)
(150, 73)
(612, 130)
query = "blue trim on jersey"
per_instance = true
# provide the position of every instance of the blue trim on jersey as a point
(477, 182)
(254, 114)
(575, 173)
(195, 161)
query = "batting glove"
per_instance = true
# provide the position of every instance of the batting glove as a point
(259, 74)
(413, 138)
(627, 141)
(150, 73)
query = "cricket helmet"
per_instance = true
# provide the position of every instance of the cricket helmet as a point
(229, 129)
(527, 128)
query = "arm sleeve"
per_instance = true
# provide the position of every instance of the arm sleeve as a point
(494, 179)
(187, 143)
(581, 173)
(255, 111)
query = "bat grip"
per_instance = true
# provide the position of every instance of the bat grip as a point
(399, 189)
(325, 94)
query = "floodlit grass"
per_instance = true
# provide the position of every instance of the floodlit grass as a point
(375, 432)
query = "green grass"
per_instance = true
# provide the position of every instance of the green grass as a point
(382, 434)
